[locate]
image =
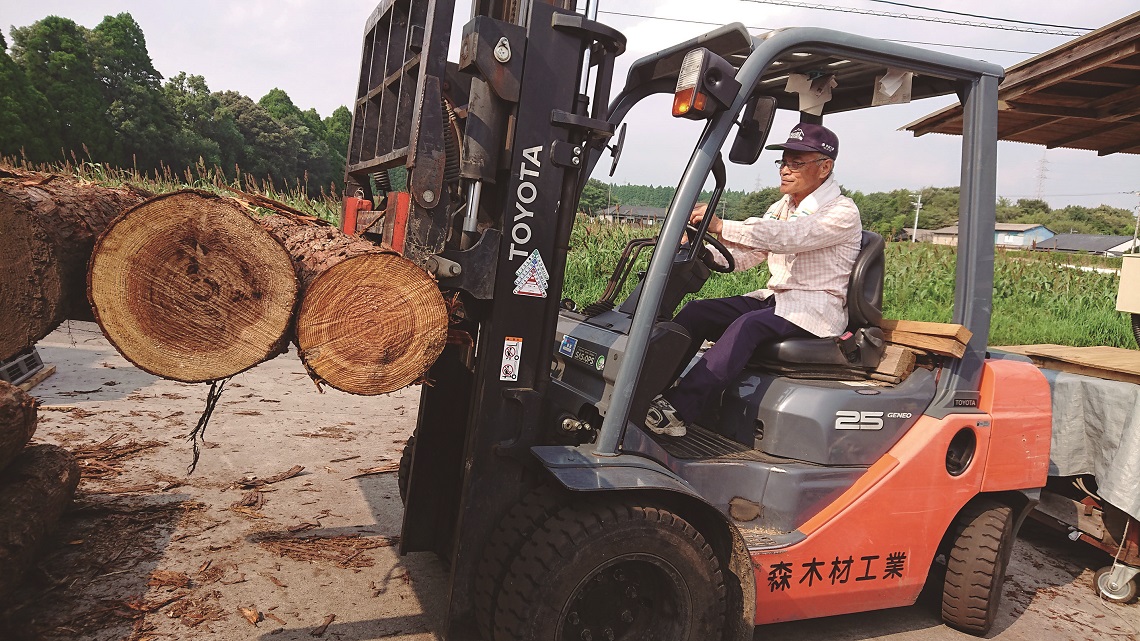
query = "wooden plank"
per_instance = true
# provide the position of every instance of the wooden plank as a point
(947, 330)
(898, 361)
(936, 344)
(37, 378)
(1112, 363)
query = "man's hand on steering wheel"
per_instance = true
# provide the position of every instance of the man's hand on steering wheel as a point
(715, 227)
(698, 215)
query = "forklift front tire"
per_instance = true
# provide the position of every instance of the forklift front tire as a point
(982, 539)
(613, 570)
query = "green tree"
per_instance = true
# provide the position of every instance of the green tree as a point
(268, 148)
(755, 203)
(27, 121)
(206, 130)
(138, 111)
(56, 57)
(594, 197)
(315, 160)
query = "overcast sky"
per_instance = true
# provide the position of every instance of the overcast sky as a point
(311, 49)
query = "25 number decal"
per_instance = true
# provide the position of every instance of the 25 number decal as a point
(851, 420)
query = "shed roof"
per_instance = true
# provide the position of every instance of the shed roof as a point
(1084, 94)
(1084, 242)
(953, 229)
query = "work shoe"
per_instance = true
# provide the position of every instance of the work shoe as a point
(663, 419)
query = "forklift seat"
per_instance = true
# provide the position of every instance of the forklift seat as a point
(862, 345)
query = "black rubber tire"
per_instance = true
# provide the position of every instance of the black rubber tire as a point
(405, 468)
(1136, 328)
(981, 540)
(639, 571)
(1123, 594)
(513, 531)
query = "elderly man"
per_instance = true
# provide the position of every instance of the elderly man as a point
(810, 239)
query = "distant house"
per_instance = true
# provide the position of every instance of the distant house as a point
(633, 214)
(924, 235)
(1088, 244)
(1008, 235)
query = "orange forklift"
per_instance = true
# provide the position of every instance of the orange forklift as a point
(811, 491)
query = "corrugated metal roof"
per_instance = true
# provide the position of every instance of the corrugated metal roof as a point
(1084, 94)
(1083, 242)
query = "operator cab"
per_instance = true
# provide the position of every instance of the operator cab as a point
(804, 420)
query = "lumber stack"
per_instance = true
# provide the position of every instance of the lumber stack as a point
(945, 339)
(37, 483)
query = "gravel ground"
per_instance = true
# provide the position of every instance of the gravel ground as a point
(250, 547)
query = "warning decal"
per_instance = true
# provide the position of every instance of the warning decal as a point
(512, 354)
(531, 278)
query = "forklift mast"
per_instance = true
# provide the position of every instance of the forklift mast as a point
(495, 149)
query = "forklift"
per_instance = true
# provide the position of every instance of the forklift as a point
(810, 492)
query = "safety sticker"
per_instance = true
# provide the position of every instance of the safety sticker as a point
(568, 345)
(512, 354)
(531, 278)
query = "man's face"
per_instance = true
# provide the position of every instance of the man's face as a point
(799, 183)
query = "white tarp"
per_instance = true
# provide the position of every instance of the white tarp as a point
(1096, 430)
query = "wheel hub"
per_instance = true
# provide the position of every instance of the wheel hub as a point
(622, 601)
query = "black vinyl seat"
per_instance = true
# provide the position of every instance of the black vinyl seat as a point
(862, 345)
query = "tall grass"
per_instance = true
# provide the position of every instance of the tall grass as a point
(325, 205)
(1037, 297)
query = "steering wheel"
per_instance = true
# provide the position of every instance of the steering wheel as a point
(718, 246)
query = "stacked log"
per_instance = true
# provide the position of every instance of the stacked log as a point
(48, 225)
(37, 483)
(197, 287)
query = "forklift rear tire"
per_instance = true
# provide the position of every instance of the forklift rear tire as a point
(982, 540)
(613, 570)
(405, 468)
(513, 531)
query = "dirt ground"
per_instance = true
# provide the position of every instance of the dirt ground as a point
(248, 547)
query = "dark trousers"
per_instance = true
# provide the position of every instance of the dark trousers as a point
(738, 324)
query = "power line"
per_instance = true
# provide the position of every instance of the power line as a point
(974, 15)
(907, 16)
(911, 42)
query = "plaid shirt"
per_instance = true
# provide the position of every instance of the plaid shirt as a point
(810, 252)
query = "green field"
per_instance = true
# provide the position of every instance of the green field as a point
(1038, 297)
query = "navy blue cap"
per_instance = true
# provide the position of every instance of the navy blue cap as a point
(808, 137)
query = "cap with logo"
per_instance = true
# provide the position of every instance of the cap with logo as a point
(808, 137)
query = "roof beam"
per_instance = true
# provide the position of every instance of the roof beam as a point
(1024, 127)
(1080, 135)
(1021, 83)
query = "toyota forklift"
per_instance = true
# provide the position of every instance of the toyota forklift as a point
(810, 491)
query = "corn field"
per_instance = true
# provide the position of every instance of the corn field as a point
(1038, 297)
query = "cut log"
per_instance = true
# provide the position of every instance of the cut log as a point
(898, 361)
(371, 324)
(187, 286)
(17, 421)
(371, 327)
(48, 225)
(34, 492)
(926, 342)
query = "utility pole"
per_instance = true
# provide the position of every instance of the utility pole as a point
(917, 208)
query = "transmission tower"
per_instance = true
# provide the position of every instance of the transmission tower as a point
(1042, 171)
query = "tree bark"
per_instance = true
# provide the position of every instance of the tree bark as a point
(34, 492)
(187, 286)
(17, 421)
(48, 225)
(183, 285)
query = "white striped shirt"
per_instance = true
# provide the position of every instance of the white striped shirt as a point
(810, 253)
